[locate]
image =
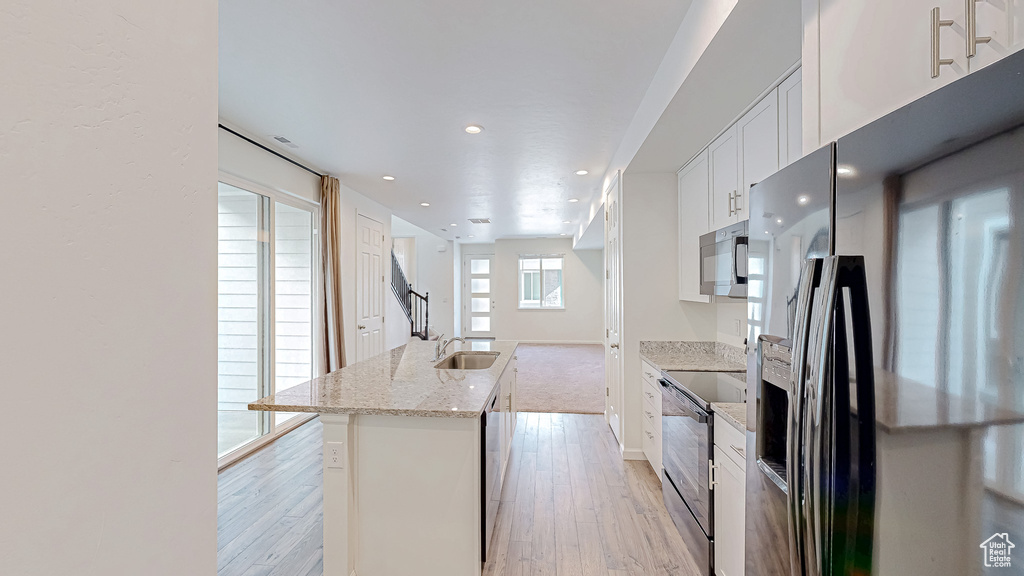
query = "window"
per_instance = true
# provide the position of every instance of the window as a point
(540, 282)
(267, 325)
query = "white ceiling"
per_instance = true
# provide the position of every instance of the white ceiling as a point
(386, 87)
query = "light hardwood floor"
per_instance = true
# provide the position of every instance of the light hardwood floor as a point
(570, 506)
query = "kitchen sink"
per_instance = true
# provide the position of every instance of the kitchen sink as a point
(468, 361)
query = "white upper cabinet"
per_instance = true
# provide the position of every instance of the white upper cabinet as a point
(693, 222)
(758, 135)
(790, 116)
(724, 162)
(877, 55)
(1001, 21)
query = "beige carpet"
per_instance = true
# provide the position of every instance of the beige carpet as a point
(561, 378)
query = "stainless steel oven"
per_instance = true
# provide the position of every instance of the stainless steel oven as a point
(686, 459)
(723, 261)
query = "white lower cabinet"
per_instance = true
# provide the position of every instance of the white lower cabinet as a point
(729, 494)
(651, 412)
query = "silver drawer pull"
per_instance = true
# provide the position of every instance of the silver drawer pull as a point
(649, 415)
(649, 435)
(649, 395)
(649, 375)
(740, 451)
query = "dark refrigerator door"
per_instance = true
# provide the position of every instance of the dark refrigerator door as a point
(933, 197)
(790, 220)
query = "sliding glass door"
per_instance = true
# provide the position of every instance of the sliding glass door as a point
(267, 326)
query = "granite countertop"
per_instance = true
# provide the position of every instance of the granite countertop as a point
(693, 356)
(400, 382)
(735, 413)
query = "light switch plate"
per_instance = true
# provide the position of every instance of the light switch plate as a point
(335, 455)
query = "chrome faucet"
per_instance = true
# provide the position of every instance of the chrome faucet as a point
(442, 345)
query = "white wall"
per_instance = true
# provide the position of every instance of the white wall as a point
(109, 159)
(434, 262)
(582, 320)
(729, 312)
(650, 284)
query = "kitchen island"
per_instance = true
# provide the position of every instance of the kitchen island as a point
(413, 460)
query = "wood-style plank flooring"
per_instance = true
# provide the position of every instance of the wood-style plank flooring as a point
(570, 506)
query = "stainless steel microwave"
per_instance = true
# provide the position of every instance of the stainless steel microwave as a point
(723, 262)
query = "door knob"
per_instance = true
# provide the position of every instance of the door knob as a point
(361, 327)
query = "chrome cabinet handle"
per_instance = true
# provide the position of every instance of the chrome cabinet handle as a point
(649, 375)
(732, 200)
(739, 451)
(649, 415)
(937, 24)
(972, 30)
(613, 345)
(736, 200)
(649, 395)
(711, 475)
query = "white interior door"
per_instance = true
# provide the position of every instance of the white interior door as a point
(478, 296)
(613, 316)
(369, 288)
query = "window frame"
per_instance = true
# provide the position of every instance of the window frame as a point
(540, 272)
(272, 428)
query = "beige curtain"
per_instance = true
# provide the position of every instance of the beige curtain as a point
(330, 236)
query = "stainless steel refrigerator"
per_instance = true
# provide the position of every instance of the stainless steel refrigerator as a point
(886, 347)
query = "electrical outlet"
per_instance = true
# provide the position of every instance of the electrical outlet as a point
(335, 455)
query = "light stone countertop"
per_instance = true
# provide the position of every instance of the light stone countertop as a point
(400, 382)
(735, 413)
(693, 356)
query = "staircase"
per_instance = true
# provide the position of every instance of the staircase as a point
(414, 304)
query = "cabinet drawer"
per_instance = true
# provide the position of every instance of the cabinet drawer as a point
(731, 441)
(652, 394)
(650, 372)
(652, 416)
(651, 443)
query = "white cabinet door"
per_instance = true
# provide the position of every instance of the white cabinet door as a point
(875, 56)
(791, 119)
(693, 222)
(1003, 22)
(757, 134)
(724, 171)
(729, 516)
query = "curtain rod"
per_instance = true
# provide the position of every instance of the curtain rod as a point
(275, 153)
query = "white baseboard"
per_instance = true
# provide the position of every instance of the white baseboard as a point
(598, 342)
(629, 454)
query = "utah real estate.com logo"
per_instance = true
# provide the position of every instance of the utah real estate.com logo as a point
(996, 550)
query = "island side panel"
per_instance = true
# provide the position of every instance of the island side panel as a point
(340, 518)
(418, 496)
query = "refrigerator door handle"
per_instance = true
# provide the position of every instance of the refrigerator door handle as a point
(810, 275)
(816, 412)
(853, 494)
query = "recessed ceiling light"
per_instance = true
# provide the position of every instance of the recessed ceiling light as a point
(388, 178)
(779, 221)
(844, 170)
(470, 236)
(424, 204)
(474, 129)
(582, 172)
(574, 199)
(566, 221)
(562, 234)
(803, 200)
(453, 224)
